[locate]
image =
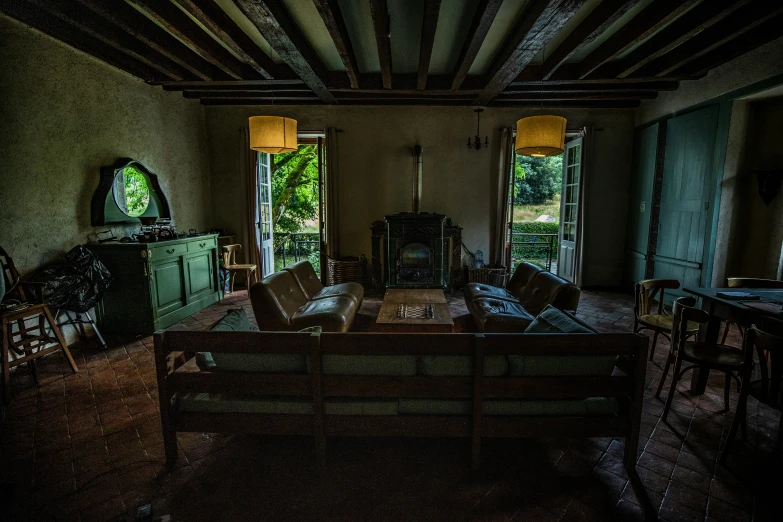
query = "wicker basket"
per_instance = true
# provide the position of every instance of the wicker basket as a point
(346, 270)
(489, 275)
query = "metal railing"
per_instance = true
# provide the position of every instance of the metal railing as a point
(298, 246)
(526, 243)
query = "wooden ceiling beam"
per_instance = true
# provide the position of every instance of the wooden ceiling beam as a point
(605, 14)
(56, 28)
(88, 22)
(438, 82)
(639, 28)
(272, 84)
(696, 20)
(273, 21)
(761, 34)
(546, 97)
(431, 13)
(335, 24)
(573, 104)
(259, 101)
(723, 31)
(382, 26)
(568, 74)
(592, 87)
(539, 22)
(175, 21)
(482, 21)
(211, 15)
(120, 14)
(250, 94)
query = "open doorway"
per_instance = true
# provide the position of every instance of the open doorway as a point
(291, 204)
(544, 196)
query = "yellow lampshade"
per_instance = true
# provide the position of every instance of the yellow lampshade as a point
(540, 136)
(273, 134)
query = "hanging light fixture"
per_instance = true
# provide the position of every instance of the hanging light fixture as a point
(476, 144)
(273, 134)
(540, 136)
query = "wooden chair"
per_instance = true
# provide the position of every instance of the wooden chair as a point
(766, 389)
(36, 333)
(645, 294)
(230, 264)
(711, 356)
(747, 282)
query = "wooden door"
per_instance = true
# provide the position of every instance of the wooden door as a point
(199, 275)
(569, 209)
(640, 206)
(686, 197)
(168, 292)
(264, 214)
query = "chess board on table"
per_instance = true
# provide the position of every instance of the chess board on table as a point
(414, 311)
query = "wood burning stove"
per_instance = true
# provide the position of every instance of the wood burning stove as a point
(415, 250)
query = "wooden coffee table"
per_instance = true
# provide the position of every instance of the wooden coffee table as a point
(414, 310)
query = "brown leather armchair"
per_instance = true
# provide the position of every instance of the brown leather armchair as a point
(280, 303)
(524, 273)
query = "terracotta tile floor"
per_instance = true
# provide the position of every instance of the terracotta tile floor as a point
(88, 447)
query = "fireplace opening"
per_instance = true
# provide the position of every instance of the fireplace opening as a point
(416, 255)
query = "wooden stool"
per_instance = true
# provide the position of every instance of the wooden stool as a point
(30, 340)
(230, 264)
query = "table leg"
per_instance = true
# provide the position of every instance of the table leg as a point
(708, 333)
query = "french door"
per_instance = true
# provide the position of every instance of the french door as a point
(569, 209)
(264, 214)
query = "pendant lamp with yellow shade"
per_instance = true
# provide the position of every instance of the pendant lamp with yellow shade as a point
(540, 136)
(273, 134)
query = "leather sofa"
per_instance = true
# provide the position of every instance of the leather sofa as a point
(294, 298)
(512, 309)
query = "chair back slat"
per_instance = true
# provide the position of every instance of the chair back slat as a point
(650, 290)
(230, 254)
(682, 313)
(11, 278)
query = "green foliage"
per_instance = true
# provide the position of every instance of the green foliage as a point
(529, 252)
(537, 180)
(137, 193)
(294, 191)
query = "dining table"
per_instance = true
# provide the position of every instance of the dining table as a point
(737, 311)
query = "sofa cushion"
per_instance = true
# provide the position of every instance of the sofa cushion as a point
(548, 407)
(460, 365)
(477, 290)
(234, 321)
(353, 290)
(333, 314)
(221, 402)
(554, 321)
(523, 274)
(495, 315)
(306, 278)
(394, 365)
(281, 296)
(541, 291)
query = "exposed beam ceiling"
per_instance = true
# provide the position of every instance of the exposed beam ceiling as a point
(274, 22)
(335, 24)
(539, 22)
(561, 53)
(382, 26)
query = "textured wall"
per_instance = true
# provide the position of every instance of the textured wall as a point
(64, 115)
(376, 164)
(755, 66)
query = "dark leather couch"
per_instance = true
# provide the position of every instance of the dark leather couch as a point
(512, 309)
(294, 298)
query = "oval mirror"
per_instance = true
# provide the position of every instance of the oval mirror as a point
(131, 191)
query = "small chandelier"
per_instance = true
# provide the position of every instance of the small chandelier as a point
(540, 136)
(476, 144)
(272, 134)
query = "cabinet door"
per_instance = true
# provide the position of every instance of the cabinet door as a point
(199, 271)
(168, 292)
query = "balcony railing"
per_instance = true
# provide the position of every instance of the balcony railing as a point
(296, 247)
(538, 248)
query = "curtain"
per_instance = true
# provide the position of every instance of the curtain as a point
(247, 166)
(504, 179)
(332, 233)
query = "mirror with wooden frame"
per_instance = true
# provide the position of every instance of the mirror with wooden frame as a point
(128, 192)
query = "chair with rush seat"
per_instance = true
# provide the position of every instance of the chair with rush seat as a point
(230, 264)
(645, 294)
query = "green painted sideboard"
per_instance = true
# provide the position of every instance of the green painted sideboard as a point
(157, 284)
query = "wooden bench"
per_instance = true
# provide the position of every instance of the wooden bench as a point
(175, 348)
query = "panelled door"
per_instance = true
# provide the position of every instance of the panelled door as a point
(569, 209)
(686, 197)
(264, 214)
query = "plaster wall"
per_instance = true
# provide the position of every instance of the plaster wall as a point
(375, 164)
(755, 66)
(64, 115)
(758, 227)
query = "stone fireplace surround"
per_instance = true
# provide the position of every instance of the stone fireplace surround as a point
(416, 250)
